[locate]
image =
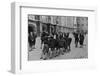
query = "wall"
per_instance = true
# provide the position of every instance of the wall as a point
(5, 39)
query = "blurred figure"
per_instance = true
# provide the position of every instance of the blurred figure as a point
(38, 42)
(32, 40)
(43, 35)
(76, 36)
(81, 39)
(69, 40)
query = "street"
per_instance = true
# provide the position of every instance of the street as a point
(75, 53)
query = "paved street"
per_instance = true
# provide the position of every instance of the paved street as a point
(75, 53)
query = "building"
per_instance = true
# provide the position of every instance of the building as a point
(82, 24)
(52, 24)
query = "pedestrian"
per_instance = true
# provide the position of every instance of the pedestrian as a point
(30, 41)
(38, 43)
(34, 39)
(76, 36)
(45, 48)
(81, 39)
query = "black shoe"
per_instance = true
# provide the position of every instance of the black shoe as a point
(44, 58)
(41, 58)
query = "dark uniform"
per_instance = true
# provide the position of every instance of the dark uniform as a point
(81, 39)
(76, 39)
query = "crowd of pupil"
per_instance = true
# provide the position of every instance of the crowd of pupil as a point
(56, 35)
(79, 37)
